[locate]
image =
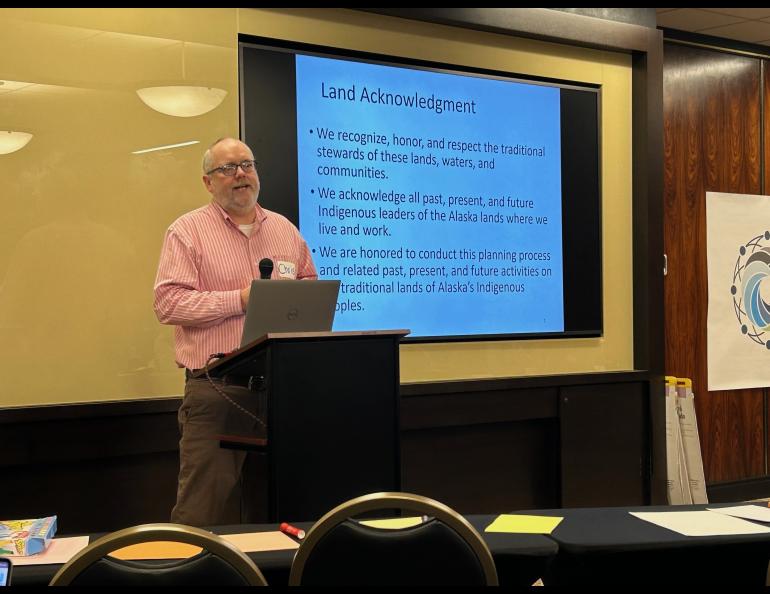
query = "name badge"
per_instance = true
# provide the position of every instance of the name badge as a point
(287, 269)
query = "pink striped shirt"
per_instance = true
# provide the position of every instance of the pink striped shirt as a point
(205, 262)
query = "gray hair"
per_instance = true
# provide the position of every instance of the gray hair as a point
(208, 157)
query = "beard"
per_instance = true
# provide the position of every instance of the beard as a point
(240, 201)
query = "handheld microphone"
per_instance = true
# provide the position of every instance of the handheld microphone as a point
(265, 268)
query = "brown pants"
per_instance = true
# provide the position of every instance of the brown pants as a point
(209, 476)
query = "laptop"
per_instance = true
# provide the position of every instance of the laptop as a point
(5, 571)
(289, 306)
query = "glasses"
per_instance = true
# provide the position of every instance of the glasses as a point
(229, 169)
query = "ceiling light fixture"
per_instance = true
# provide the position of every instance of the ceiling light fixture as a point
(183, 101)
(10, 142)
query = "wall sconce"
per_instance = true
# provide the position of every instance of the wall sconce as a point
(183, 101)
(10, 142)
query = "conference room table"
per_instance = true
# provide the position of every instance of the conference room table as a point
(591, 546)
(609, 546)
(520, 558)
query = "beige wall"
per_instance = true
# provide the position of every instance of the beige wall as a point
(84, 217)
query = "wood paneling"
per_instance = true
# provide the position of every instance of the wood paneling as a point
(96, 466)
(766, 190)
(484, 468)
(712, 139)
(612, 420)
(481, 446)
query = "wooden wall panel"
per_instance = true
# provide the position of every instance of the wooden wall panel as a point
(766, 190)
(619, 476)
(98, 467)
(711, 120)
(481, 446)
(484, 468)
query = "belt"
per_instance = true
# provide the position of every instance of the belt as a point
(245, 381)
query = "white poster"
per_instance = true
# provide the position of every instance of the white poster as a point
(738, 252)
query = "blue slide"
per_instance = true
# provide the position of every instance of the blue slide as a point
(434, 197)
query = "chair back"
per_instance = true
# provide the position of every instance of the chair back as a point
(219, 563)
(440, 549)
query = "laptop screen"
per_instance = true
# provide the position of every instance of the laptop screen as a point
(289, 306)
(5, 572)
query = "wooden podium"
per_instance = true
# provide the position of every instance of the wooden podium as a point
(332, 407)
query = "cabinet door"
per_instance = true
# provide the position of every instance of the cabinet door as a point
(604, 445)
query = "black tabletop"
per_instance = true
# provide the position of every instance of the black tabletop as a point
(520, 558)
(610, 546)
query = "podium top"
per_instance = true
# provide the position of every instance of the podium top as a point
(230, 358)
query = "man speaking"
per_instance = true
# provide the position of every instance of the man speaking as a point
(208, 260)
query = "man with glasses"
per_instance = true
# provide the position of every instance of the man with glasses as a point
(208, 260)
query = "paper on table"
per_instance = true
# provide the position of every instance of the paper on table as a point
(157, 549)
(249, 542)
(253, 542)
(701, 523)
(519, 524)
(59, 550)
(393, 523)
(750, 512)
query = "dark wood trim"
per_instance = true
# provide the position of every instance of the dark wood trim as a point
(89, 410)
(410, 389)
(151, 406)
(535, 23)
(76, 434)
(647, 129)
(744, 490)
(649, 311)
(478, 408)
(720, 44)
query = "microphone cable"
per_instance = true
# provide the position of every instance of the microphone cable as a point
(221, 392)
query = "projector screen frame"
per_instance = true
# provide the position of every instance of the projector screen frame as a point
(252, 132)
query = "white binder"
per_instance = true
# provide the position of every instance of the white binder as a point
(674, 451)
(688, 428)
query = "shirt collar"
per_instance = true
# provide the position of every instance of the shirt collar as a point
(261, 215)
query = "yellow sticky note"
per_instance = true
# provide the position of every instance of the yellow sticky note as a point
(393, 523)
(516, 524)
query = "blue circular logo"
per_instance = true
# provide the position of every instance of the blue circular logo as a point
(751, 289)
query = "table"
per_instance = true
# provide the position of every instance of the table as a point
(608, 546)
(520, 558)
